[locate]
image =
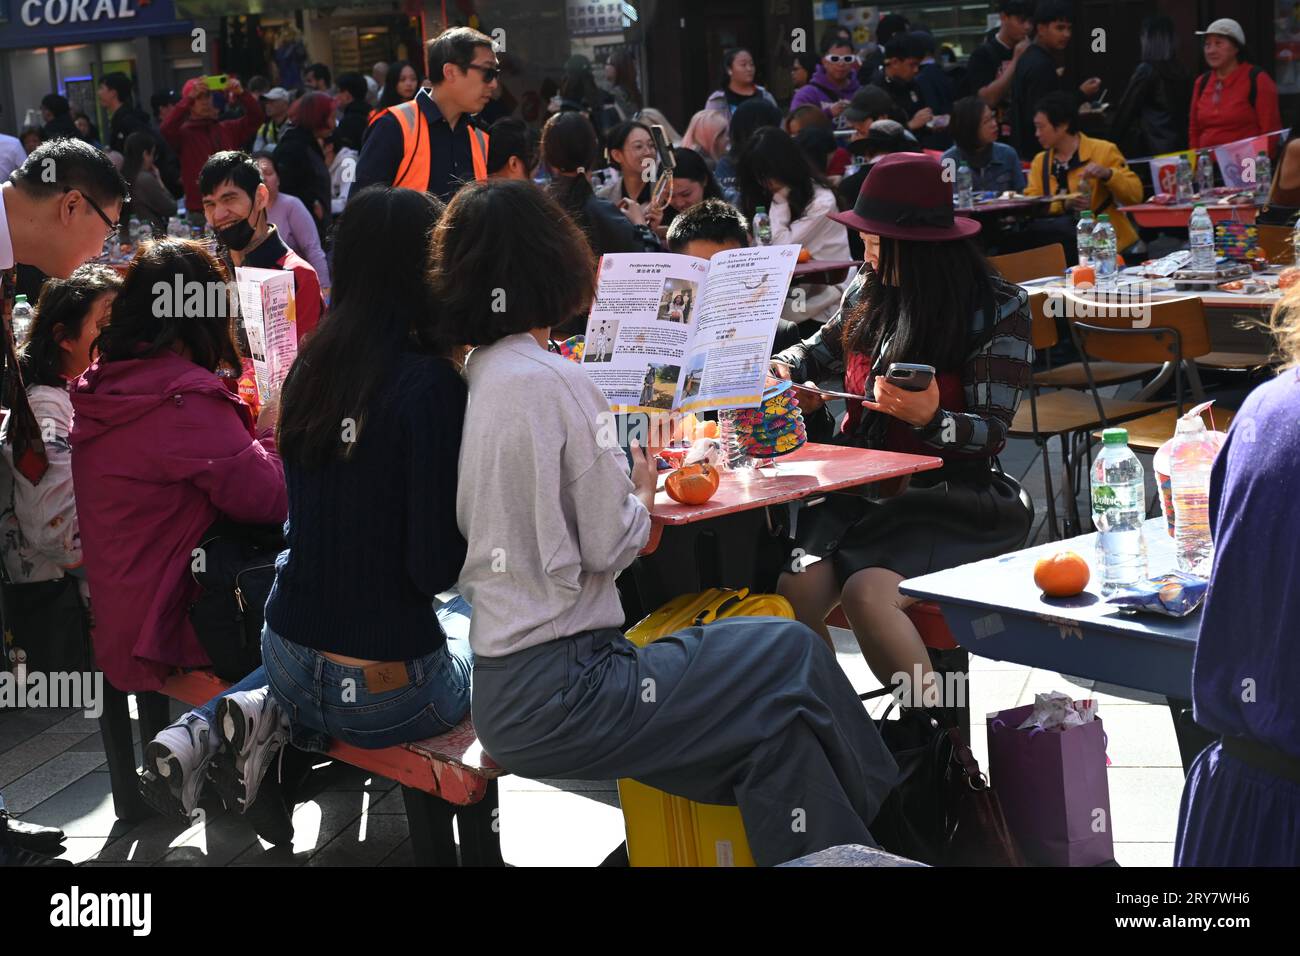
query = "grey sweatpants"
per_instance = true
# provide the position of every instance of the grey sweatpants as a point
(754, 712)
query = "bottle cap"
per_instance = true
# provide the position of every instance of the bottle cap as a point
(1104, 217)
(758, 209)
(1115, 436)
(20, 298)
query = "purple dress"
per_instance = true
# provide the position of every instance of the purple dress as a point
(1248, 654)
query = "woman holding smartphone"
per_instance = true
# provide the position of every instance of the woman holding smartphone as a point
(925, 296)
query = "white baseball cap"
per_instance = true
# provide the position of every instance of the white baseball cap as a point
(1225, 28)
(277, 93)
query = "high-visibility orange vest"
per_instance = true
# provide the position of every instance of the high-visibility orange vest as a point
(413, 170)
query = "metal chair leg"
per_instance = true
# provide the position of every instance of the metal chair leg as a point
(1053, 530)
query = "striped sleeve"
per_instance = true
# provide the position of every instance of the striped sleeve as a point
(994, 379)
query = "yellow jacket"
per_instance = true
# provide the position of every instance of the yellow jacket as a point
(1122, 189)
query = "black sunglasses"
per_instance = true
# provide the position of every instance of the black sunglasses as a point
(490, 73)
(112, 226)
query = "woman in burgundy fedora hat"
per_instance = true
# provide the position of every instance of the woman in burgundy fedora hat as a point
(925, 295)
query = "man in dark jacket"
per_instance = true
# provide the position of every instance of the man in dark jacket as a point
(124, 119)
(235, 200)
(354, 111)
(898, 79)
(1036, 74)
(58, 119)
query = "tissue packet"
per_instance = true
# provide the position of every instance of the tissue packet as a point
(1175, 594)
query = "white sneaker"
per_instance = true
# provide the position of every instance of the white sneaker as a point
(255, 730)
(176, 764)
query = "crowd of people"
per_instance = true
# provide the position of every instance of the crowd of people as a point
(402, 466)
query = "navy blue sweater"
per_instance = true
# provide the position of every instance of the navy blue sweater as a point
(372, 539)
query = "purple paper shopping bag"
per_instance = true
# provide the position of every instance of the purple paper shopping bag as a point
(1053, 788)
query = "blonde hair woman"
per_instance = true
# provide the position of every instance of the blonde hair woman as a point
(707, 133)
(1241, 801)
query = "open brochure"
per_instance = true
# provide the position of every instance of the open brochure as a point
(266, 308)
(675, 333)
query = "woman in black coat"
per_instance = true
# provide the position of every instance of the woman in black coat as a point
(299, 159)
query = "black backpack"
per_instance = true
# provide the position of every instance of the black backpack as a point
(235, 567)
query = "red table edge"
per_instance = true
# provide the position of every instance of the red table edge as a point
(916, 463)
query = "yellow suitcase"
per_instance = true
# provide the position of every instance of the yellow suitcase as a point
(664, 830)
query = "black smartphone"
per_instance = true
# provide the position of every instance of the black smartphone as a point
(907, 375)
(667, 160)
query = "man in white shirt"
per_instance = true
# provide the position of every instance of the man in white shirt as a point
(55, 213)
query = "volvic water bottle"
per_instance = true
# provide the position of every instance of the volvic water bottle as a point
(762, 227)
(1184, 180)
(1118, 499)
(1263, 177)
(1190, 461)
(1083, 236)
(1204, 172)
(1103, 250)
(21, 320)
(1200, 230)
(965, 187)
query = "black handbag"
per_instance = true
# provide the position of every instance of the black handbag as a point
(942, 810)
(235, 567)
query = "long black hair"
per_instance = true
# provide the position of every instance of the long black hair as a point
(137, 144)
(569, 144)
(61, 312)
(691, 165)
(925, 307)
(391, 97)
(772, 154)
(380, 306)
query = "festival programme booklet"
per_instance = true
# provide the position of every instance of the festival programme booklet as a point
(675, 333)
(266, 308)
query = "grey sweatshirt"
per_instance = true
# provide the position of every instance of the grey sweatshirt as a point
(550, 515)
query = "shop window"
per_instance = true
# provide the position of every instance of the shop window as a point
(29, 71)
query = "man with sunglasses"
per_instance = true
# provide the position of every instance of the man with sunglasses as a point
(434, 142)
(833, 84)
(56, 210)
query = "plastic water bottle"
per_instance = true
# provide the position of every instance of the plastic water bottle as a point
(1118, 507)
(762, 226)
(1204, 172)
(1201, 232)
(1190, 461)
(1083, 236)
(965, 187)
(1184, 180)
(1263, 177)
(1103, 250)
(21, 319)
(1295, 241)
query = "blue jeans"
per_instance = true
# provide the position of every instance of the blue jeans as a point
(312, 690)
(253, 681)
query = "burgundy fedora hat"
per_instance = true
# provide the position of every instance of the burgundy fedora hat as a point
(904, 197)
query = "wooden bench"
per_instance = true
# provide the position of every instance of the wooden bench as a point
(443, 778)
